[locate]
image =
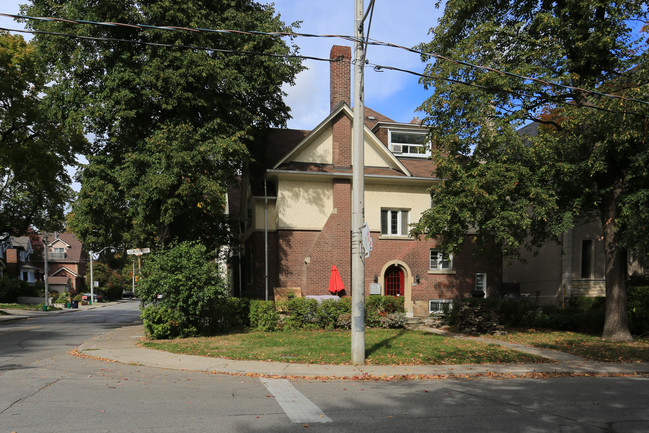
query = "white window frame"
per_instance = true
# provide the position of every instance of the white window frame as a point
(481, 282)
(400, 223)
(439, 261)
(404, 149)
(440, 304)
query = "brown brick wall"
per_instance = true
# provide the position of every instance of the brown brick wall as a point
(416, 255)
(340, 76)
(342, 138)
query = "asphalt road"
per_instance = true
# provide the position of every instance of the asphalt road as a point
(45, 389)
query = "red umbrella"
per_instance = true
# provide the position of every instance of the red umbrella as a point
(335, 282)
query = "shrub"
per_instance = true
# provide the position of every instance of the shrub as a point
(328, 312)
(62, 298)
(224, 314)
(161, 322)
(638, 301)
(476, 316)
(377, 307)
(11, 288)
(515, 312)
(189, 284)
(344, 321)
(393, 320)
(263, 315)
(302, 313)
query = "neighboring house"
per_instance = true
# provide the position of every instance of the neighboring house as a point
(18, 259)
(575, 266)
(572, 266)
(299, 196)
(66, 260)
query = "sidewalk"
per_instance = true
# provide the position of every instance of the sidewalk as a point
(121, 345)
(26, 314)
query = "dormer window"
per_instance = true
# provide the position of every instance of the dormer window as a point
(409, 143)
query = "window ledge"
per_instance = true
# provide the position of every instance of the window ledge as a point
(394, 237)
(441, 272)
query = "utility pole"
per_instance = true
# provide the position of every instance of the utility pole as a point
(46, 270)
(358, 193)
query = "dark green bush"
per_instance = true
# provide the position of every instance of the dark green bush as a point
(302, 313)
(377, 307)
(263, 315)
(328, 312)
(477, 316)
(11, 288)
(190, 286)
(515, 312)
(224, 314)
(161, 322)
(638, 301)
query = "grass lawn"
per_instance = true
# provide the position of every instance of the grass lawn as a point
(382, 346)
(31, 307)
(586, 346)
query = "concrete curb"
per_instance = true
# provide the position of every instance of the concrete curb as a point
(121, 345)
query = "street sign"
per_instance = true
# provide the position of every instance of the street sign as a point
(138, 251)
(366, 237)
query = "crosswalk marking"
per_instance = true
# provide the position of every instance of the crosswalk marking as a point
(297, 407)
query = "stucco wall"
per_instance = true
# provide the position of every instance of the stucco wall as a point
(319, 151)
(378, 196)
(303, 207)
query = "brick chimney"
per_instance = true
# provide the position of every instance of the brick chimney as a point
(340, 76)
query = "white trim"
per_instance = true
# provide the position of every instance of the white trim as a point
(373, 140)
(440, 302)
(484, 289)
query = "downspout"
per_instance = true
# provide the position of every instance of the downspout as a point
(566, 266)
(266, 237)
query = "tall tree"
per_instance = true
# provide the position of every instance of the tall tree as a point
(585, 155)
(171, 121)
(34, 146)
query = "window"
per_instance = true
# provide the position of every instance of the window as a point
(394, 222)
(440, 306)
(440, 261)
(481, 283)
(586, 258)
(409, 143)
(58, 250)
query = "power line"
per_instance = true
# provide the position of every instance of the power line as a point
(519, 93)
(369, 41)
(158, 44)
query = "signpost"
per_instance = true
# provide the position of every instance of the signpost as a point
(137, 252)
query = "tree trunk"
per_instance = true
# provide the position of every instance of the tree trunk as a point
(616, 321)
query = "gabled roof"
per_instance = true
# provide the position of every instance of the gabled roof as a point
(58, 281)
(22, 242)
(63, 268)
(287, 163)
(74, 251)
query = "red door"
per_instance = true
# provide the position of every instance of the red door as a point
(394, 281)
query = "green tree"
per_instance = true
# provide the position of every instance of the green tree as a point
(171, 124)
(188, 284)
(34, 146)
(586, 155)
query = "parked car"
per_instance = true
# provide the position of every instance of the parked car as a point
(86, 297)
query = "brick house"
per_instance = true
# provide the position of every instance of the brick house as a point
(16, 253)
(298, 197)
(66, 260)
(573, 265)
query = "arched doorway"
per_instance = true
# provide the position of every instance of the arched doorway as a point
(394, 281)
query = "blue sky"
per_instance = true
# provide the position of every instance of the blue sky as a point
(394, 94)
